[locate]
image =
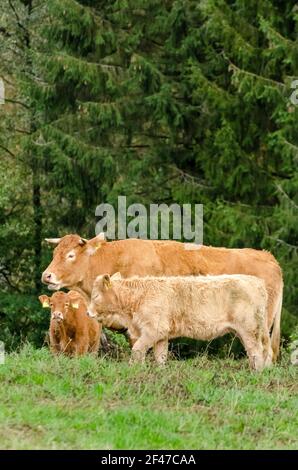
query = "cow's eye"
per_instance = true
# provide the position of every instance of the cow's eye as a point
(70, 256)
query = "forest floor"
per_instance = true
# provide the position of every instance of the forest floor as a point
(51, 402)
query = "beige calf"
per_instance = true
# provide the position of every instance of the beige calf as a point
(156, 309)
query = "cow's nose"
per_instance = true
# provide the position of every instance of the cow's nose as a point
(46, 277)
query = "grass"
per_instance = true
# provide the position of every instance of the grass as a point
(51, 402)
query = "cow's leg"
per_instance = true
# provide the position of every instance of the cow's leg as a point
(263, 334)
(267, 349)
(160, 350)
(140, 347)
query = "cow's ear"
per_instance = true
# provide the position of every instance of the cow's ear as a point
(116, 277)
(45, 301)
(100, 237)
(106, 280)
(96, 243)
(53, 241)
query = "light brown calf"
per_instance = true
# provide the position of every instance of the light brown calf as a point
(71, 331)
(156, 309)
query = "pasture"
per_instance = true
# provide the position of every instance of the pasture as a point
(206, 402)
(151, 139)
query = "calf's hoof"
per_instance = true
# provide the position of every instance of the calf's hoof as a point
(137, 357)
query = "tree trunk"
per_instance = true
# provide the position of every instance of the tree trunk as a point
(37, 218)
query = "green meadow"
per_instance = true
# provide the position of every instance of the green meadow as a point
(101, 403)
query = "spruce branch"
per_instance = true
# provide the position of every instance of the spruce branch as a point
(17, 102)
(285, 195)
(270, 81)
(19, 23)
(283, 242)
(7, 151)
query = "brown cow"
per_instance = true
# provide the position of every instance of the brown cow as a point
(156, 309)
(71, 331)
(77, 262)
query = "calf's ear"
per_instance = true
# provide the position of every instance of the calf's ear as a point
(73, 299)
(44, 300)
(106, 280)
(116, 276)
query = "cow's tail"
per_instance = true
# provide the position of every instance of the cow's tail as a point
(275, 334)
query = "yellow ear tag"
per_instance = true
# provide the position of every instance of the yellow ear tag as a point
(45, 304)
(75, 305)
(97, 247)
(109, 285)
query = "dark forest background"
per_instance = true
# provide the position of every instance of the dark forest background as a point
(161, 101)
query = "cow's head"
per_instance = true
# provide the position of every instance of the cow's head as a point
(70, 260)
(103, 301)
(61, 304)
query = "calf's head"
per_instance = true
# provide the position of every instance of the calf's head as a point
(70, 260)
(61, 304)
(103, 300)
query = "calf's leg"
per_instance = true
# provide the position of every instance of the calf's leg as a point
(55, 346)
(81, 347)
(160, 350)
(140, 347)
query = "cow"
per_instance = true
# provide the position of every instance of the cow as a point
(71, 331)
(77, 262)
(156, 309)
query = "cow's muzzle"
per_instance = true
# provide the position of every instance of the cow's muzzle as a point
(50, 280)
(58, 316)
